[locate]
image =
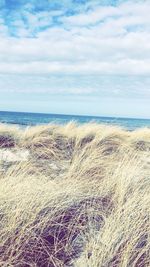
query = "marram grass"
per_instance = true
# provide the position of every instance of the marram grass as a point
(80, 199)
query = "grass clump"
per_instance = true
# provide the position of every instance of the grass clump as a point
(81, 198)
(9, 136)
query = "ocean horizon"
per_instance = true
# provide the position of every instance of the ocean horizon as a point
(32, 119)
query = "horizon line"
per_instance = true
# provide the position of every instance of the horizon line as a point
(76, 115)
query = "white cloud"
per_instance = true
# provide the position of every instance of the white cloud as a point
(102, 41)
(90, 17)
(125, 66)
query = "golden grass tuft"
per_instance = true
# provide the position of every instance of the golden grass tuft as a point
(81, 198)
(9, 136)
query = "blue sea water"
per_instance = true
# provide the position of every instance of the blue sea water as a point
(26, 119)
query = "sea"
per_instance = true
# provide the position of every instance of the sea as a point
(24, 119)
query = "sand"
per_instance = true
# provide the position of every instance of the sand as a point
(10, 155)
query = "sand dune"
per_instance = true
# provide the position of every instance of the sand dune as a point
(74, 195)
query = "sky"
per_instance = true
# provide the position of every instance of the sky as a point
(88, 57)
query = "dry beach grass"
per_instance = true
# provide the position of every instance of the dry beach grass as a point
(79, 197)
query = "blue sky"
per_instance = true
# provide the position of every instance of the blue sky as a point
(75, 57)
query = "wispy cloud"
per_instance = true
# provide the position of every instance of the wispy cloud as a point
(66, 40)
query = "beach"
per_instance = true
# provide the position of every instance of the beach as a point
(74, 195)
(74, 133)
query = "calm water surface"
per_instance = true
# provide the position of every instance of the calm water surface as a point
(26, 119)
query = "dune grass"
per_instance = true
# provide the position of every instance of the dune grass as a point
(80, 199)
(9, 136)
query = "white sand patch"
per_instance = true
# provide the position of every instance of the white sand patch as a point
(12, 156)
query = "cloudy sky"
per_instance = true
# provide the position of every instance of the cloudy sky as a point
(75, 57)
